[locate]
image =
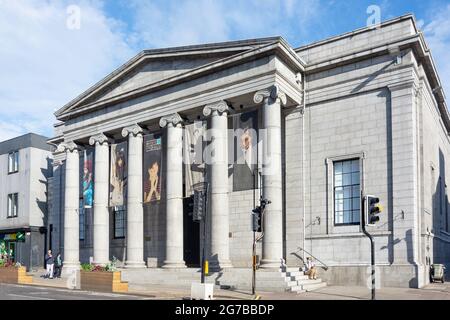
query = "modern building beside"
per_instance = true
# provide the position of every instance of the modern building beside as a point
(360, 113)
(25, 166)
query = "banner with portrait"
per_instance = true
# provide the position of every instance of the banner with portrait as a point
(194, 164)
(88, 178)
(152, 174)
(245, 165)
(118, 174)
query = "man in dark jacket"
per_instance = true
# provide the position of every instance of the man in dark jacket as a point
(58, 266)
(50, 262)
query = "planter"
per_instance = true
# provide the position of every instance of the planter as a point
(15, 276)
(103, 282)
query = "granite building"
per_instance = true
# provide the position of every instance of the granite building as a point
(359, 113)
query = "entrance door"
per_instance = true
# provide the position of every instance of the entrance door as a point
(191, 234)
(12, 251)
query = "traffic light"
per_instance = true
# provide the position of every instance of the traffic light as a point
(199, 206)
(372, 209)
(257, 219)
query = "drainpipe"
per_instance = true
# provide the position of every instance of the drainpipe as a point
(303, 165)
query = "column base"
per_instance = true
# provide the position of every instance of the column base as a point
(135, 265)
(270, 264)
(69, 268)
(71, 272)
(174, 265)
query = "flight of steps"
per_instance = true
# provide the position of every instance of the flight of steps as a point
(281, 280)
(298, 282)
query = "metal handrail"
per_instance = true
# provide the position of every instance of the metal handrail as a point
(324, 266)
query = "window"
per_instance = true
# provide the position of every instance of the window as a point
(347, 192)
(119, 223)
(82, 222)
(13, 162)
(13, 205)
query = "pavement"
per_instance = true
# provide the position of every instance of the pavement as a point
(24, 292)
(56, 289)
(434, 291)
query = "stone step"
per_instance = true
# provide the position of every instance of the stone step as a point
(290, 269)
(313, 286)
(296, 289)
(308, 281)
(297, 277)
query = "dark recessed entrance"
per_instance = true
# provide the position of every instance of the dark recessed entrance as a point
(191, 233)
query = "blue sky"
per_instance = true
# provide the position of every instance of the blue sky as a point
(45, 64)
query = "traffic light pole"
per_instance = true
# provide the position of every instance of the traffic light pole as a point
(372, 250)
(254, 265)
(205, 220)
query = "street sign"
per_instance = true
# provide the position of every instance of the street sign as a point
(20, 236)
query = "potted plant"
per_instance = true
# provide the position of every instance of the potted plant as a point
(13, 273)
(102, 278)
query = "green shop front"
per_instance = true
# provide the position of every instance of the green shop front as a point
(26, 246)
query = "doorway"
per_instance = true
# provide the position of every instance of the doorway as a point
(191, 235)
(12, 251)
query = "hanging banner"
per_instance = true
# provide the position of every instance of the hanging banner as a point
(88, 178)
(194, 164)
(118, 176)
(152, 174)
(246, 150)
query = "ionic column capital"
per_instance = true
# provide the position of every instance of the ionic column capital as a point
(100, 139)
(134, 130)
(219, 108)
(271, 95)
(69, 146)
(173, 119)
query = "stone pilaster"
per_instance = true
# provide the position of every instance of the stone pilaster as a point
(174, 191)
(101, 197)
(272, 249)
(220, 224)
(135, 210)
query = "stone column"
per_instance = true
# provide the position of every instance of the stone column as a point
(220, 224)
(272, 249)
(135, 210)
(71, 207)
(174, 192)
(101, 198)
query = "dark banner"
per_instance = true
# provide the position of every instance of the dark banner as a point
(152, 174)
(88, 178)
(194, 164)
(245, 127)
(118, 176)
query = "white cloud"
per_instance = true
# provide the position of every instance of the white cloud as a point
(173, 23)
(44, 64)
(437, 36)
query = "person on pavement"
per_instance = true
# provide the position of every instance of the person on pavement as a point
(50, 262)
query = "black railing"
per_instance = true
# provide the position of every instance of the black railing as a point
(323, 265)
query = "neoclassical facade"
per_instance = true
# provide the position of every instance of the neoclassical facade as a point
(360, 113)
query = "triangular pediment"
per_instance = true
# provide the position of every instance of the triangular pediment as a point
(154, 71)
(154, 68)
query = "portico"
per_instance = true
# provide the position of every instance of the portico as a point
(214, 85)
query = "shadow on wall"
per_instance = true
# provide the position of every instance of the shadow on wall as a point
(440, 216)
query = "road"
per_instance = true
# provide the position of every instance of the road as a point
(22, 292)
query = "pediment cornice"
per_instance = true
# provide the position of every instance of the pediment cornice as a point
(240, 52)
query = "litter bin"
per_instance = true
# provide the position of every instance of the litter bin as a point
(437, 272)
